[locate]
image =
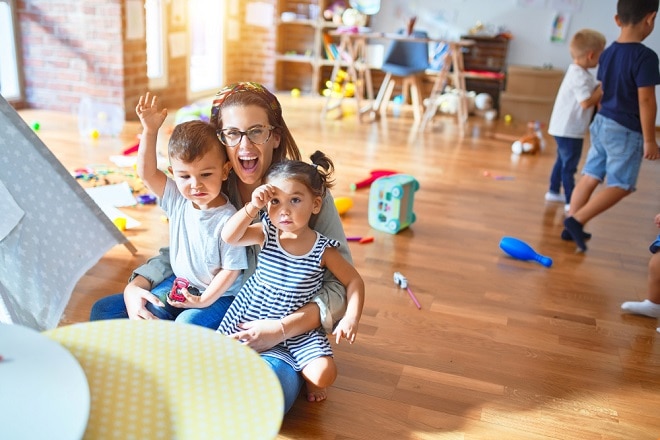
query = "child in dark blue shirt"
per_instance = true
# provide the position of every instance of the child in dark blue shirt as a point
(623, 131)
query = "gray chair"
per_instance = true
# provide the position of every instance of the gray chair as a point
(405, 60)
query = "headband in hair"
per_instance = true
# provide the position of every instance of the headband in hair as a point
(245, 86)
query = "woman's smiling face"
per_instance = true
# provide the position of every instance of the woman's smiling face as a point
(249, 161)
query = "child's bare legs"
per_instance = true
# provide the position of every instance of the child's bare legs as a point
(319, 375)
(650, 306)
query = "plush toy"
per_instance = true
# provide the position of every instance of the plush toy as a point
(335, 11)
(530, 143)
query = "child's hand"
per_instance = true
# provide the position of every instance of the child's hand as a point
(347, 329)
(262, 195)
(147, 111)
(656, 220)
(191, 302)
(651, 151)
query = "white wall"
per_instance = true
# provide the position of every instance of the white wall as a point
(531, 26)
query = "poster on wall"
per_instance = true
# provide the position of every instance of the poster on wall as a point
(559, 27)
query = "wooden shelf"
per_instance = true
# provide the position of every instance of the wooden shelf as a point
(304, 36)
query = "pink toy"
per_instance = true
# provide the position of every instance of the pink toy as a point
(522, 251)
(402, 281)
(375, 174)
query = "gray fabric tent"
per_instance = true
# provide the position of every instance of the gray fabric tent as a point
(51, 231)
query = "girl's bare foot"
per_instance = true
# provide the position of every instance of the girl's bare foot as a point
(316, 394)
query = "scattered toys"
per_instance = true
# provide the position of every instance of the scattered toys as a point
(391, 202)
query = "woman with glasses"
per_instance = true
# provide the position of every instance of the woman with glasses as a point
(248, 119)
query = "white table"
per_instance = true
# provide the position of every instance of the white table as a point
(43, 389)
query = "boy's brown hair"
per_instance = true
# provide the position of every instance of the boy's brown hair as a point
(192, 139)
(585, 41)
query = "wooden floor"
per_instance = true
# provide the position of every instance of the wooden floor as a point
(501, 349)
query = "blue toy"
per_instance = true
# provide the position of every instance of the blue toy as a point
(391, 202)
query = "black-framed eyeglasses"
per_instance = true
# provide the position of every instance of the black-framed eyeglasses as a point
(258, 135)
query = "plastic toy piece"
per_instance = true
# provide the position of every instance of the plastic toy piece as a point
(522, 251)
(365, 240)
(146, 199)
(402, 281)
(391, 203)
(130, 150)
(175, 293)
(353, 238)
(343, 204)
(375, 174)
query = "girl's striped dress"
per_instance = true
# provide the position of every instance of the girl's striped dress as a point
(280, 285)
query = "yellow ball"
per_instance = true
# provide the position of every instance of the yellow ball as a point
(343, 204)
(295, 93)
(508, 119)
(95, 134)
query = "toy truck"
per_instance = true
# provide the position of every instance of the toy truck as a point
(391, 202)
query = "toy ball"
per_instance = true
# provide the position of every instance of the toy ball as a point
(295, 92)
(94, 134)
(36, 126)
(508, 119)
(483, 101)
(343, 204)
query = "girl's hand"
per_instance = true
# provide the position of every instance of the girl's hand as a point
(136, 298)
(346, 328)
(262, 195)
(260, 335)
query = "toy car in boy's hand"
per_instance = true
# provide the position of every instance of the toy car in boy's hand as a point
(182, 283)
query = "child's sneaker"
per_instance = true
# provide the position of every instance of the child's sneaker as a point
(554, 197)
(655, 245)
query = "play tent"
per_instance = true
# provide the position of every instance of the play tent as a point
(51, 231)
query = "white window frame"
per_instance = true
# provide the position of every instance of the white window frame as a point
(11, 81)
(212, 27)
(157, 54)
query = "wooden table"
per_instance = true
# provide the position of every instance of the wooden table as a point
(352, 51)
(159, 379)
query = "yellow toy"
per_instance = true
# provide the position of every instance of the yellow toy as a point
(343, 204)
(340, 87)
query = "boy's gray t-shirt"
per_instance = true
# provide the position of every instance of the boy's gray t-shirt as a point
(197, 252)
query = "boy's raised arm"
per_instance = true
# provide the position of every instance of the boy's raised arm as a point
(147, 161)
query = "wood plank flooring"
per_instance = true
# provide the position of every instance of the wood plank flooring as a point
(501, 349)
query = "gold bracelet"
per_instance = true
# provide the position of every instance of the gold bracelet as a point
(283, 333)
(247, 213)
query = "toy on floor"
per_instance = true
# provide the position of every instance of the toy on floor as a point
(402, 282)
(391, 202)
(361, 240)
(192, 112)
(375, 174)
(522, 251)
(530, 143)
(343, 204)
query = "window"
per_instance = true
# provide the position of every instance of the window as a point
(156, 43)
(206, 18)
(10, 84)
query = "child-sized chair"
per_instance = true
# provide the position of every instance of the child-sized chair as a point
(407, 60)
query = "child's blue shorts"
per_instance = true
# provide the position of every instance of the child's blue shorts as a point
(615, 152)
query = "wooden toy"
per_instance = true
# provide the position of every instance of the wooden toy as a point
(391, 202)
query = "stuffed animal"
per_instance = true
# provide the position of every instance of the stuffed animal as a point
(530, 143)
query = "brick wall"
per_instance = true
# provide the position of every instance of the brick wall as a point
(250, 54)
(69, 50)
(74, 48)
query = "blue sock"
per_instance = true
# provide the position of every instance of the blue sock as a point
(576, 230)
